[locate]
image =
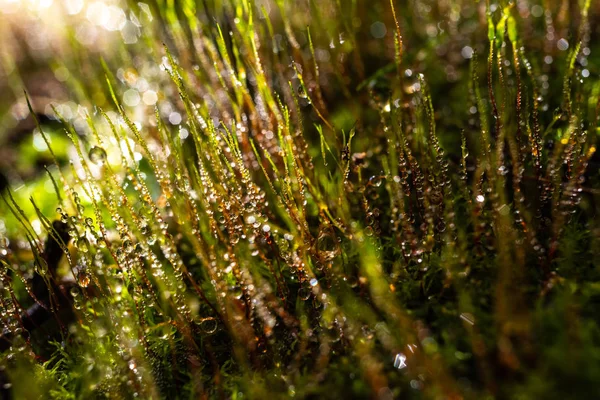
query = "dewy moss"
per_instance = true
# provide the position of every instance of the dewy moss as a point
(307, 199)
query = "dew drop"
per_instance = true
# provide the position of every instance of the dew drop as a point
(101, 243)
(376, 180)
(82, 244)
(83, 278)
(97, 155)
(302, 93)
(208, 325)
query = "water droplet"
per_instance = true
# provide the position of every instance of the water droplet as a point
(208, 325)
(83, 278)
(327, 247)
(376, 180)
(97, 155)
(302, 93)
(82, 244)
(101, 242)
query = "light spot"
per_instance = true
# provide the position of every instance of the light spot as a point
(378, 30)
(86, 33)
(431, 31)
(97, 13)
(38, 142)
(537, 11)
(73, 6)
(150, 97)
(467, 52)
(562, 44)
(131, 98)
(175, 118)
(37, 226)
(468, 318)
(183, 133)
(480, 198)
(141, 85)
(116, 19)
(130, 32)
(400, 361)
(62, 74)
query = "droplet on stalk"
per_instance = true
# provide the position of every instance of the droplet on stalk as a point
(97, 155)
(83, 278)
(302, 93)
(82, 244)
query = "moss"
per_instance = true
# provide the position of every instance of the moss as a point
(399, 201)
